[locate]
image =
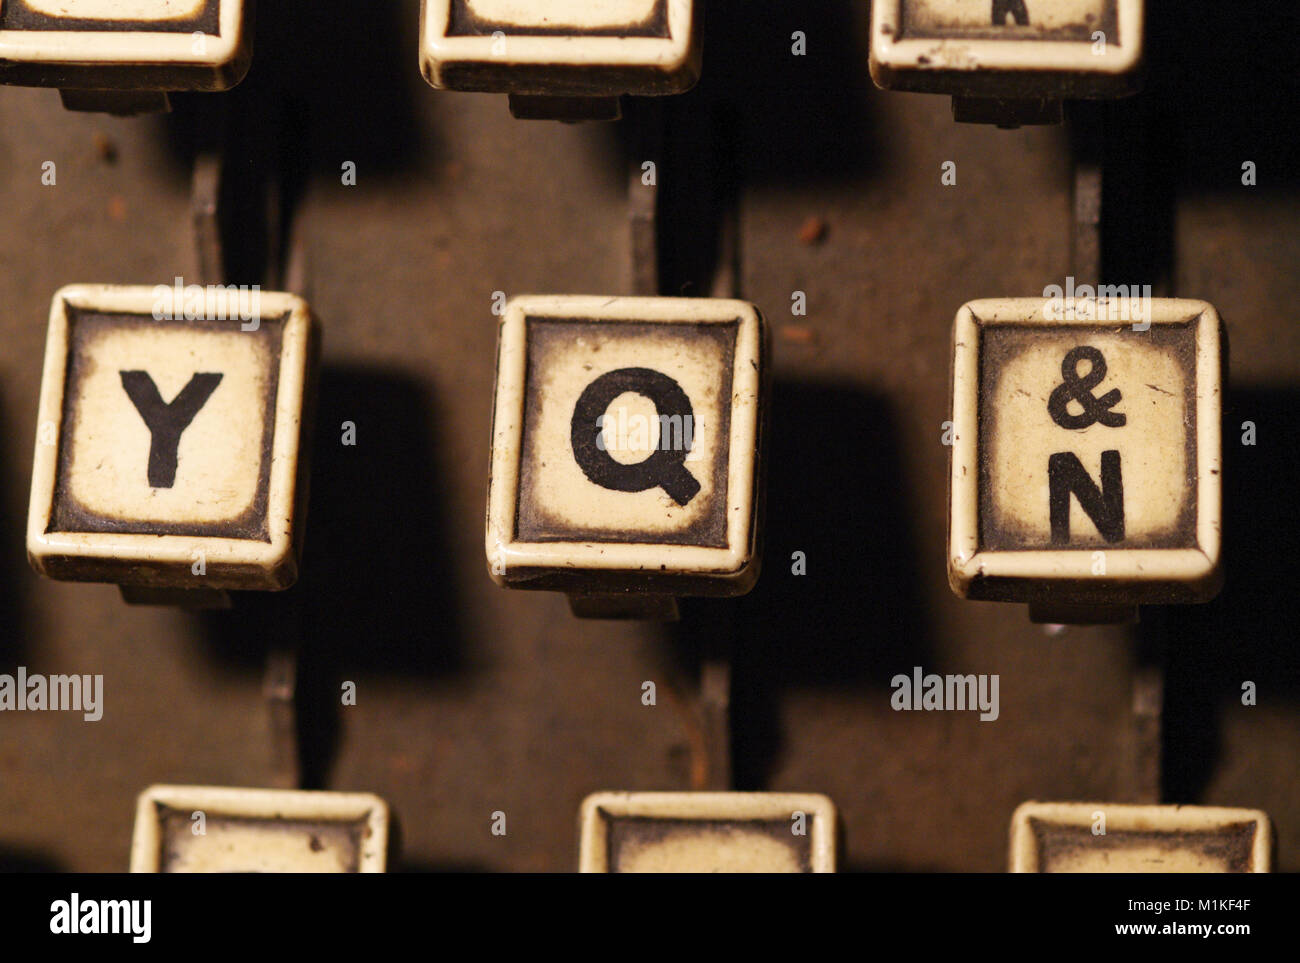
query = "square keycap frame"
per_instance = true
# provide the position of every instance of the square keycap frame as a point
(210, 49)
(581, 564)
(1141, 575)
(166, 558)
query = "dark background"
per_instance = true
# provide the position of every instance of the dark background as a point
(473, 699)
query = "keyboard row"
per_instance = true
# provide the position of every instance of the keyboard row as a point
(628, 448)
(200, 829)
(571, 58)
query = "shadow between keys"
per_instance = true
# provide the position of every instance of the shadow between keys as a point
(834, 494)
(376, 592)
(1248, 632)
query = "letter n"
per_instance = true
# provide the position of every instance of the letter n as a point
(1105, 505)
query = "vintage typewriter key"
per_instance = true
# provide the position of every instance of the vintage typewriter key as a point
(206, 829)
(1087, 454)
(626, 450)
(123, 56)
(707, 832)
(561, 59)
(168, 443)
(1008, 62)
(1113, 838)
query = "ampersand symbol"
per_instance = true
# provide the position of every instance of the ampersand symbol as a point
(1080, 389)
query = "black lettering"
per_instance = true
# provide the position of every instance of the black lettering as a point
(1105, 506)
(664, 468)
(165, 421)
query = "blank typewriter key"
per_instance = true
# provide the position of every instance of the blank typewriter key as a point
(1008, 62)
(205, 829)
(1113, 838)
(123, 56)
(625, 456)
(167, 449)
(1087, 454)
(561, 59)
(707, 832)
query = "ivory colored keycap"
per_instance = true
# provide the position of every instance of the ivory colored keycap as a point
(125, 44)
(1086, 454)
(205, 829)
(560, 47)
(707, 832)
(1113, 838)
(167, 451)
(625, 446)
(1008, 48)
